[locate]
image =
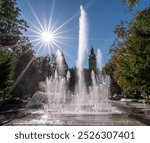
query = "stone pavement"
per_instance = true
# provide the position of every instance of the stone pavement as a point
(138, 111)
(132, 114)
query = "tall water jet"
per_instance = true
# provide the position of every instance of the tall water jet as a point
(60, 61)
(83, 43)
(99, 59)
(56, 94)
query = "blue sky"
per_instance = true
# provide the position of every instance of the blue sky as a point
(103, 15)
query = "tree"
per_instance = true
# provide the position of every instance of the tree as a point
(10, 24)
(24, 60)
(131, 54)
(109, 69)
(6, 69)
(11, 40)
(131, 3)
(138, 49)
(24, 55)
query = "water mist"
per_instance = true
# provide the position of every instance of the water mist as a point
(83, 44)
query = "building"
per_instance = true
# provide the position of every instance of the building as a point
(92, 60)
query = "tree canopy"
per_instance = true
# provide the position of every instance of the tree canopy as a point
(12, 42)
(131, 3)
(130, 54)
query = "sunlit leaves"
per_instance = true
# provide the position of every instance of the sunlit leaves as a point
(130, 61)
(131, 3)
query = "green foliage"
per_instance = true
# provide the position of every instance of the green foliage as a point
(10, 40)
(130, 62)
(24, 56)
(131, 3)
(10, 25)
(35, 70)
(6, 69)
(138, 48)
(109, 69)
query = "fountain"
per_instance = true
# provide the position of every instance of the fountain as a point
(88, 104)
(99, 58)
(83, 43)
(59, 105)
(54, 93)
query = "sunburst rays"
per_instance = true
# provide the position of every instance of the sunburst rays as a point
(46, 36)
(49, 35)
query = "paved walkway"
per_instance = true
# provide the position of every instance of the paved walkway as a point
(133, 114)
(139, 111)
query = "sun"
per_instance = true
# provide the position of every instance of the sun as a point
(47, 37)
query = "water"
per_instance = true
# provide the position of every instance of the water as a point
(83, 44)
(56, 99)
(99, 59)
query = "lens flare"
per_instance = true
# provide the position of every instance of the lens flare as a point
(47, 37)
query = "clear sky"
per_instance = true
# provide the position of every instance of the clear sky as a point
(103, 15)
